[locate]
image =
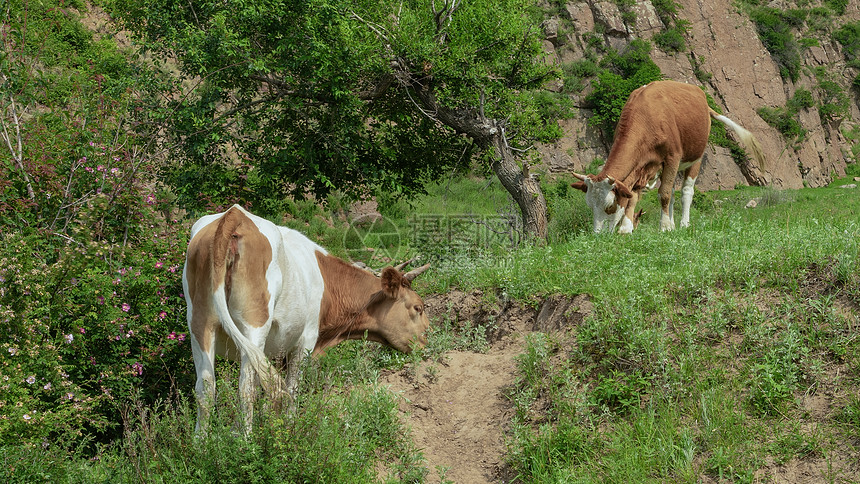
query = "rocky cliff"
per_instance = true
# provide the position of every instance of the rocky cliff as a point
(743, 78)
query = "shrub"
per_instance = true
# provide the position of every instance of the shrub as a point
(671, 40)
(626, 71)
(774, 29)
(838, 6)
(834, 102)
(848, 35)
(87, 327)
(91, 294)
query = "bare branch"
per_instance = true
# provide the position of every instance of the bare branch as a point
(17, 151)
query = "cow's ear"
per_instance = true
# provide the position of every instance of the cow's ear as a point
(391, 281)
(580, 186)
(622, 190)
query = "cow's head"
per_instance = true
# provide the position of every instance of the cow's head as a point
(607, 199)
(399, 311)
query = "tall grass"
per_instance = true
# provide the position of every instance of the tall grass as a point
(702, 346)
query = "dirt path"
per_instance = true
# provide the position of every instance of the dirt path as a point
(457, 408)
(458, 412)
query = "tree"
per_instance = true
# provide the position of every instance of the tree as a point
(308, 96)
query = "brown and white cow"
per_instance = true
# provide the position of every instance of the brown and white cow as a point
(261, 292)
(663, 129)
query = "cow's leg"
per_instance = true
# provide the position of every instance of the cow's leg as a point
(687, 191)
(249, 381)
(303, 348)
(627, 224)
(667, 199)
(203, 349)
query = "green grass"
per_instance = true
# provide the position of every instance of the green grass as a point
(696, 360)
(701, 348)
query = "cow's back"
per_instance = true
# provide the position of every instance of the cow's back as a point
(668, 113)
(272, 282)
(297, 305)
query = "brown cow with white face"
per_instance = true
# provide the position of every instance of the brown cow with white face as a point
(256, 291)
(663, 129)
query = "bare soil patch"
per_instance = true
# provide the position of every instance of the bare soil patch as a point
(459, 415)
(456, 407)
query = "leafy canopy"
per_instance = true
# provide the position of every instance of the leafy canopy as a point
(290, 97)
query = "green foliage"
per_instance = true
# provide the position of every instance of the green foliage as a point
(785, 119)
(625, 72)
(87, 331)
(620, 392)
(568, 216)
(91, 258)
(300, 97)
(550, 452)
(848, 35)
(837, 6)
(672, 39)
(774, 27)
(834, 102)
(575, 73)
(628, 15)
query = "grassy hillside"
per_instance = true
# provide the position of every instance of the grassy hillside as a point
(702, 355)
(717, 351)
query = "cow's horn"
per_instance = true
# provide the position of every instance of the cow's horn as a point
(400, 267)
(415, 272)
(611, 180)
(581, 177)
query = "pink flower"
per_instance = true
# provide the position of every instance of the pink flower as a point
(159, 264)
(129, 334)
(100, 168)
(162, 315)
(13, 351)
(137, 367)
(181, 337)
(125, 307)
(149, 199)
(172, 335)
(101, 300)
(173, 268)
(82, 330)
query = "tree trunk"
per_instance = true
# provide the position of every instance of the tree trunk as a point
(489, 134)
(524, 189)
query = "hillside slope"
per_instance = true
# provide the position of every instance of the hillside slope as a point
(744, 77)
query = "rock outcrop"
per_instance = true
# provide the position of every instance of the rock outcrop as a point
(744, 78)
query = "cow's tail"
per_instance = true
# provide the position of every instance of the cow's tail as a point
(225, 250)
(746, 137)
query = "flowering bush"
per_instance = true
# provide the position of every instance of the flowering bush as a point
(90, 291)
(84, 328)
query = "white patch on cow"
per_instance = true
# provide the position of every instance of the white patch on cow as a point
(687, 200)
(667, 217)
(653, 183)
(626, 226)
(600, 197)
